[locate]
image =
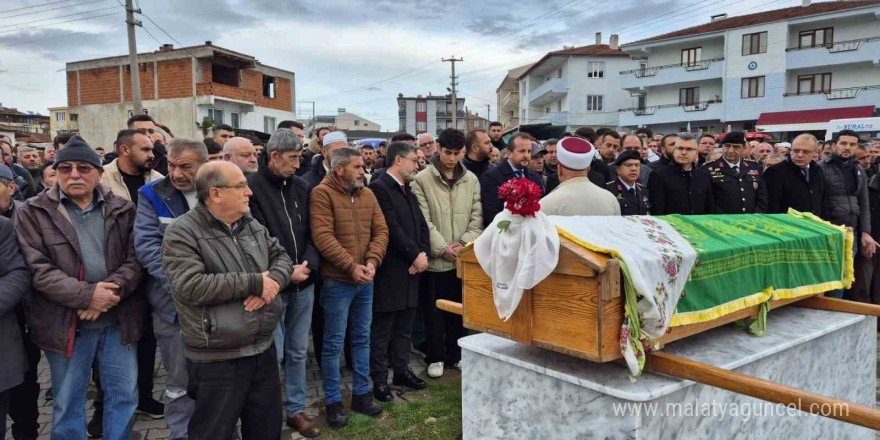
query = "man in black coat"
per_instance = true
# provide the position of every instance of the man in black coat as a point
(478, 146)
(396, 288)
(519, 152)
(667, 150)
(280, 202)
(681, 188)
(737, 184)
(797, 182)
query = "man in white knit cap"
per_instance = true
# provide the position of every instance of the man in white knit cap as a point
(576, 195)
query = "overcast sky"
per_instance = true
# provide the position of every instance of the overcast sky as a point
(356, 54)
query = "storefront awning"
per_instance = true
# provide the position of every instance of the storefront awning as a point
(809, 120)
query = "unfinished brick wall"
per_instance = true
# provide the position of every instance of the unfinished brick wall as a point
(99, 86)
(71, 89)
(175, 78)
(148, 90)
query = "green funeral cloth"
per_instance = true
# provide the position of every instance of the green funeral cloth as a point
(746, 260)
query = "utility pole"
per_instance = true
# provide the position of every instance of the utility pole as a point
(454, 96)
(489, 112)
(133, 57)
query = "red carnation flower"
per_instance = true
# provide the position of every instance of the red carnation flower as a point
(522, 196)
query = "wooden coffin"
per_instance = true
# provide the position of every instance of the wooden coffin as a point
(578, 310)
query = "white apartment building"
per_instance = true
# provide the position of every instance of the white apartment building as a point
(783, 71)
(575, 87)
(346, 121)
(507, 95)
(429, 114)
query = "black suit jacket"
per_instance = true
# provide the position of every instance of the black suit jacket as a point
(394, 288)
(672, 190)
(492, 180)
(788, 188)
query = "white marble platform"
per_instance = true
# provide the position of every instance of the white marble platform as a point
(512, 391)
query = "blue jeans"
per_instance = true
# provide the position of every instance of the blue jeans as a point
(338, 300)
(117, 367)
(292, 346)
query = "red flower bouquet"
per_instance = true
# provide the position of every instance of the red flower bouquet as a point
(522, 196)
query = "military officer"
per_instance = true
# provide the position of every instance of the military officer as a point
(737, 184)
(632, 196)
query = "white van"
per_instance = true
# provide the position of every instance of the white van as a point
(860, 125)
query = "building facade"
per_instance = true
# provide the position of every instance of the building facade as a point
(475, 121)
(183, 89)
(23, 122)
(507, 95)
(785, 63)
(346, 121)
(429, 114)
(62, 121)
(575, 87)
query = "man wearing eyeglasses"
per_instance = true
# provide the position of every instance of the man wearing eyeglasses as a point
(680, 188)
(281, 204)
(737, 184)
(225, 272)
(427, 144)
(77, 239)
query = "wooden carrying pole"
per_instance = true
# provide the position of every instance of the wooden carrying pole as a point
(671, 365)
(839, 305)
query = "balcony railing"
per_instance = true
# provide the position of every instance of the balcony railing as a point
(510, 97)
(651, 71)
(845, 93)
(650, 110)
(448, 114)
(840, 46)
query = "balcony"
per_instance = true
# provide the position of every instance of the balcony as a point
(846, 97)
(864, 50)
(671, 113)
(510, 99)
(672, 74)
(548, 92)
(555, 118)
(447, 114)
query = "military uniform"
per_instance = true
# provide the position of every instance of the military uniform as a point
(739, 191)
(632, 201)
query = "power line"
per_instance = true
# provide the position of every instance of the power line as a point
(35, 6)
(55, 18)
(54, 9)
(60, 22)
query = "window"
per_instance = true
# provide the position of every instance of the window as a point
(60, 116)
(268, 124)
(74, 117)
(559, 105)
(234, 120)
(559, 73)
(753, 87)
(643, 66)
(226, 75)
(692, 56)
(594, 103)
(596, 69)
(754, 43)
(688, 96)
(421, 126)
(216, 115)
(816, 83)
(546, 110)
(421, 106)
(402, 124)
(357, 123)
(642, 101)
(269, 86)
(816, 37)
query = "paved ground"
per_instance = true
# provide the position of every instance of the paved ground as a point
(146, 428)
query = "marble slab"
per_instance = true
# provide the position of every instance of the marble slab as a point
(510, 390)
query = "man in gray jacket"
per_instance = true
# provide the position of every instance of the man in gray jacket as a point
(225, 272)
(15, 283)
(845, 201)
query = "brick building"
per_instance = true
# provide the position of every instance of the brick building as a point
(179, 87)
(17, 124)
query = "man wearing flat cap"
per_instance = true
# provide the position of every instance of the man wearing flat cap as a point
(77, 239)
(737, 184)
(630, 194)
(576, 194)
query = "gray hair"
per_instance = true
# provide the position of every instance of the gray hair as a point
(687, 137)
(208, 177)
(808, 137)
(25, 149)
(283, 140)
(342, 157)
(179, 145)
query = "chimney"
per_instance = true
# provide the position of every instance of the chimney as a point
(614, 42)
(208, 43)
(598, 38)
(718, 17)
(166, 47)
(805, 3)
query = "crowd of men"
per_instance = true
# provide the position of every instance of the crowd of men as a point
(225, 253)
